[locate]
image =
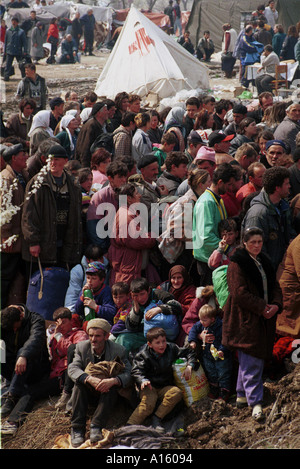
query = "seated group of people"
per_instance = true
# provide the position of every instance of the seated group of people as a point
(157, 268)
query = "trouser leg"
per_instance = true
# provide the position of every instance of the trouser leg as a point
(170, 396)
(146, 406)
(249, 381)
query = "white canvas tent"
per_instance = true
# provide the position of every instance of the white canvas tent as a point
(146, 60)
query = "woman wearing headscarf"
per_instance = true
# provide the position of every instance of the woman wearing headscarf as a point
(68, 134)
(180, 286)
(175, 123)
(37, 41)
(40, 130)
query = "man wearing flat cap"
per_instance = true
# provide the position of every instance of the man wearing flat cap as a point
(52, 234)
(11, 260)
(90, 130)
(102, 392)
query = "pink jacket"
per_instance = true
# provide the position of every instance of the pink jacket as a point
(125, 253)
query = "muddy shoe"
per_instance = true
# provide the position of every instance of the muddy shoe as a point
(241, 402)
(7, 405)
(77, 437)
(156, 424)
(257, 413)
(62, 401)
(9, 428)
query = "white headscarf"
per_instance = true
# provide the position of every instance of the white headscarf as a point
(64, 122)
(85, 114)
(41, 119)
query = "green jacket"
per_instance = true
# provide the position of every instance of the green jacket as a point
(208, 212)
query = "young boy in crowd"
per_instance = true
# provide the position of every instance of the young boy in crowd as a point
(102, 302)
(168, 142)
(142, 295)
(216, 358)
(153, 373)
(121, 295)
(229, 235)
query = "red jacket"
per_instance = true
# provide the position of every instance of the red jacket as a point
(59, 348)
(53, 31)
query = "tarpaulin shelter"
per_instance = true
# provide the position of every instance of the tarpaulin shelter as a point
(212, 14)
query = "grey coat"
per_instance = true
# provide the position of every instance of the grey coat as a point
(84, 355)
(287, 131)
(37, 40)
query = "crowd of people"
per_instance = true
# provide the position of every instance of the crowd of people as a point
(178, 230)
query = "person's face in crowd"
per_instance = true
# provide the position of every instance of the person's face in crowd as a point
(251, 130)
(169, 147)
(180, 171)
(135, 199)
(206, 322)
(150, 172)
(224, 187)
(207, 35)
(284, 190)
(266, 102)
(88, 103)
(120, 299)
(203, 186)
(135, 106)
(57, 165)
(191, 110)
(94, 282)
(154, 122)
(229, 237)
(102, 115)
(19, 161)
(33, 15)
(158, 345)
(210, 106)
(14, 23)
(59, 110)
(262, 145)
(247, 160)
(65, 325)
(193, 149)
(177, 281)
(73, 125)
(87, 184)
(257, 178)
(29, 73)
(222, 147)
(210, 120)
(208, 165)
(140, 297)
(254, 245)
(294, 112)
(273, 153)
(97, 338)
(117, 181)
(237, 117)
(73, 96)
(111, 112)
(124, 104)
(103, 165)
(27, 111)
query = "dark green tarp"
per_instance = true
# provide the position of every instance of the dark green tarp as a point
(212, 14)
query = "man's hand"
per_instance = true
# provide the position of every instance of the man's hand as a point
(102, 385)
(21, 365)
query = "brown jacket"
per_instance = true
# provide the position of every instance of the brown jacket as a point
(86, 137)
(244, 327)
(39, 222)
(13, 227)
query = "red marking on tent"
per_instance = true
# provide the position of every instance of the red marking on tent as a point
(142, 42)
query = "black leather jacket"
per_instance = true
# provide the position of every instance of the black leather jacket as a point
(147, 365)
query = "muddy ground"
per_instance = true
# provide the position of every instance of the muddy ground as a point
(208, 424)
(83, 77)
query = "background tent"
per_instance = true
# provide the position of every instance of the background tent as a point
(145, 59)
(212, 14)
